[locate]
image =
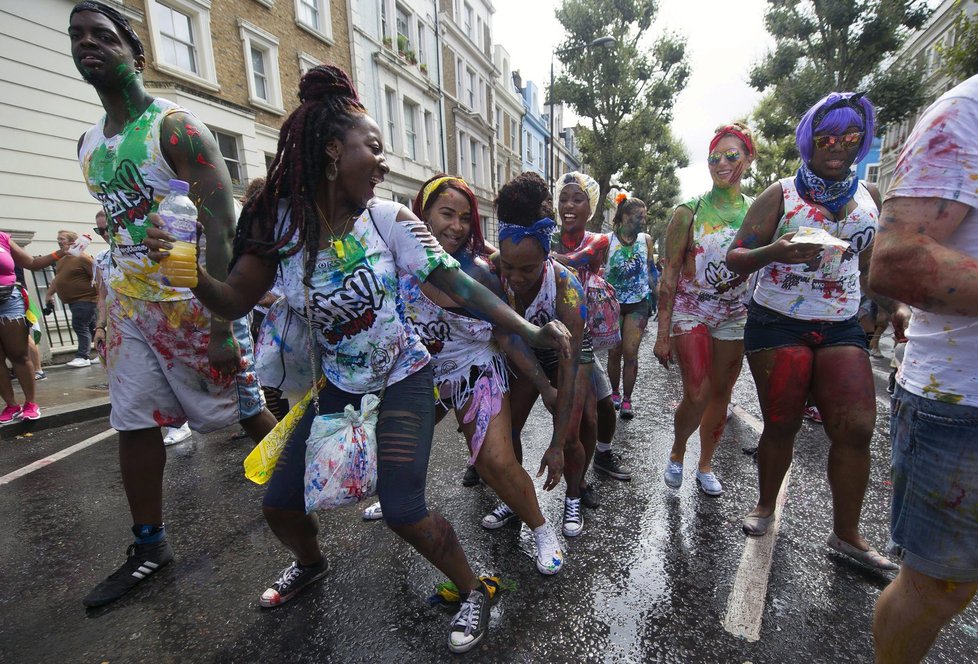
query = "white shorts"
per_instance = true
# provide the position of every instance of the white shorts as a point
(728, 330)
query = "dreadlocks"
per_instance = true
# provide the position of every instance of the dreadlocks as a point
(329, 108)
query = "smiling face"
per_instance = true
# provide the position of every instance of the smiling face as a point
(450, 219)
(362, 164)
(834, 161)
(522, 265)
(727, 172)
(101, 54)
(574, 208)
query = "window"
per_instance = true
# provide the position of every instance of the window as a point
(459, 72)
(401, 17)
(471, 90)
(499, 123)
(422, 44)
(402, 199)
(385, 28)
(410, 130)
(499, 175)
(269, 158)
(474, 154)
(390, 108)
(873, 173)
(307, 62)
(313, 16)
(429, 136)
(261, 65)
(467, 19)
(513, 136)
(462, 142)
(529, 147)
(177, 38)
(229, 150)
(180, 37)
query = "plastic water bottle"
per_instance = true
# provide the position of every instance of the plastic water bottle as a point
(180, 220)
(79, 246)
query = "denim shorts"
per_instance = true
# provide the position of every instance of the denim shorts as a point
(13, 307)
(767, 329)
(934, 517)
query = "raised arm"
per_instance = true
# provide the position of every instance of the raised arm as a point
(24, 260)
(592, 255)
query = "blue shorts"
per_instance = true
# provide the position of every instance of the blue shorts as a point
(13, 307)
(767, 329)
(934, 518)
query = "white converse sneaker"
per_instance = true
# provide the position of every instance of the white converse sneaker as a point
(550, 558)
(573, 519)
(373, 513)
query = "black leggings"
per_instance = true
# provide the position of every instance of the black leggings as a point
(404, 430)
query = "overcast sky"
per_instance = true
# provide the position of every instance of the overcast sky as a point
(721, 47)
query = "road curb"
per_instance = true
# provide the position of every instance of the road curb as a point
(59, 416)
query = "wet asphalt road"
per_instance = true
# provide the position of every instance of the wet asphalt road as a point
(648, 581)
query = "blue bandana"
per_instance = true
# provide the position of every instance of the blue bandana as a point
(539, 231)
(833, 194)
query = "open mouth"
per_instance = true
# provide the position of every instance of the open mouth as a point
(90, 60)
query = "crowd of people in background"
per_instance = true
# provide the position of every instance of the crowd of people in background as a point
(802, 281)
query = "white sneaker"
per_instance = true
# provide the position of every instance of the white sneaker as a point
(550, 558)
(79, 363)
(573, 520)
(176, 435)
(373, 513)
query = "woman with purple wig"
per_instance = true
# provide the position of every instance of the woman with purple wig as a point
(802, 333)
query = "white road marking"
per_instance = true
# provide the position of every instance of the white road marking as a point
(745, 606)
(57, 456)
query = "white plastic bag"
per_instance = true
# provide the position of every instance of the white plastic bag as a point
(341, 456)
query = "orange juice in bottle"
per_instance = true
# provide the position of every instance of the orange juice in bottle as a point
(179, 215)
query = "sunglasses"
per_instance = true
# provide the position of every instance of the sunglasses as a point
(100, 231)
(714, 157)
(848, 141)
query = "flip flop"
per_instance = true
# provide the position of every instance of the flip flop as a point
(756, 526)
(871, 558)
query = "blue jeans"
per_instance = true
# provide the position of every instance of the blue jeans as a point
(82, 321)
(934, 517)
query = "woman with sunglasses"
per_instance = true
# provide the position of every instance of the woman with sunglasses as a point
(803, 333)
(471, 376)
(701, 304)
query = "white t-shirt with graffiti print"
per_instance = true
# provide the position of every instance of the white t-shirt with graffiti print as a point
(357, 312)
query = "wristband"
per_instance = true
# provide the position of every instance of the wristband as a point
(54, 255)
(101, 327)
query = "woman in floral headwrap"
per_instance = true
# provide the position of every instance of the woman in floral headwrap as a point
(701, 304)
(803, 334)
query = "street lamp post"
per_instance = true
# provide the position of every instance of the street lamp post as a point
(607, 41)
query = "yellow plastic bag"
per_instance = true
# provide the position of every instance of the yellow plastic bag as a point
(260, 464)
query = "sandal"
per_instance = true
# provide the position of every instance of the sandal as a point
(756, 526)
(871, 558)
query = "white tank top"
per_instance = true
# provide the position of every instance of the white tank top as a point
(627, 268)
(810, 291)
(543, 308)
(129, 176)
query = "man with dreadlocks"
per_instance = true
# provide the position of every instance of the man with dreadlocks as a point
(168, 360)
(341, 252)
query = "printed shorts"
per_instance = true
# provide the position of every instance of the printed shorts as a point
(934, 469)
(768, 329)
(159, 374)
(728, 330)
(477, 398)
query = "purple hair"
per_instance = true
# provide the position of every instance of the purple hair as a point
(837, 121)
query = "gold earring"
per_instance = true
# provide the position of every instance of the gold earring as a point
(331, 176)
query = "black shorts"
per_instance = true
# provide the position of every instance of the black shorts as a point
(767, 329)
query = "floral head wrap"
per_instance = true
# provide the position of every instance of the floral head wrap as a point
(587, 184)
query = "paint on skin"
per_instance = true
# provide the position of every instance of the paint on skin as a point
(788, 383)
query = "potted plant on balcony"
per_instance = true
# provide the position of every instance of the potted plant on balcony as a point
(388, 42)
(424, 69)
(402, 45)
(411, 57)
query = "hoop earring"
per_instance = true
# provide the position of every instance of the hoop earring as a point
(331, 176)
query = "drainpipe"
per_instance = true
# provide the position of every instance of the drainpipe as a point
(441, 91)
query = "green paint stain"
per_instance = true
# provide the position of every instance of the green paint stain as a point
(934, 388)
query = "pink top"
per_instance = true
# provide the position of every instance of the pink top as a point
(7, 276)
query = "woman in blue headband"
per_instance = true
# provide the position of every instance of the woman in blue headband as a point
(802, 334)
(542, 290)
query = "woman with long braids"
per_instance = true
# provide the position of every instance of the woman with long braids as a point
(471, 376)
(340, 252)
(541, 291)
(803, 334)
(701, 305)
(631, 271)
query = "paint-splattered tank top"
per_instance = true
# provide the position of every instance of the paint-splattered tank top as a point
(129, 176)
(713, 294)
(813, 291)
(627, 268)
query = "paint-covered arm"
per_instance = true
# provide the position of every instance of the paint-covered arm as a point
(469, 293)
(755, 245)
(650, 268)
(592, 255)
(674, 251)
(523, 358)
(913, 263)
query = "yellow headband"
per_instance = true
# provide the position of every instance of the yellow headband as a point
(434, 184)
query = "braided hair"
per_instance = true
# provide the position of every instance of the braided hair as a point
(476, 244)
(524, 200)
(626, 205)
(329, 107)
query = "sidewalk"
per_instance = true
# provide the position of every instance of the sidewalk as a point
(67, 396)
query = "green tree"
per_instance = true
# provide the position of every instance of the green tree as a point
(653, 177)
(774, 141)
(617, 91)
(960, 59)
(823, 46)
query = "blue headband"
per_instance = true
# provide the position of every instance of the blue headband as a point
(539, 231)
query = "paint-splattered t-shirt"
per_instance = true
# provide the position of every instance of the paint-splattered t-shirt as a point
(940, 160)
(627, 269)
(129, 176)
(712, 293)
(356, 307)
(817, 291)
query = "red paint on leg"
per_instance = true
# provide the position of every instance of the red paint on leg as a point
(791, 373)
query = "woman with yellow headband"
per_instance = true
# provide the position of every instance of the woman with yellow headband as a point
(471, 376)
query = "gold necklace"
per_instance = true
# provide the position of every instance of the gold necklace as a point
(337, 241)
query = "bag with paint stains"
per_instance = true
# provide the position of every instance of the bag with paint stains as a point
(341, 456)
(603, 313)
(282, 349)
(260, 463)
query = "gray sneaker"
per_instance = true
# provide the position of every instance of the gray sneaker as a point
(709, 483)
(674, 474)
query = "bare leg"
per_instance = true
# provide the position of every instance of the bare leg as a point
(911, 612)
(142, 458)
(575, 454)
(258, 426)
(298, 531)
(728, 358)
(35, 354)
(522, 396)
(633, 327)
(783, 377)
(13, 339)
(614, 365)
(694, 351)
